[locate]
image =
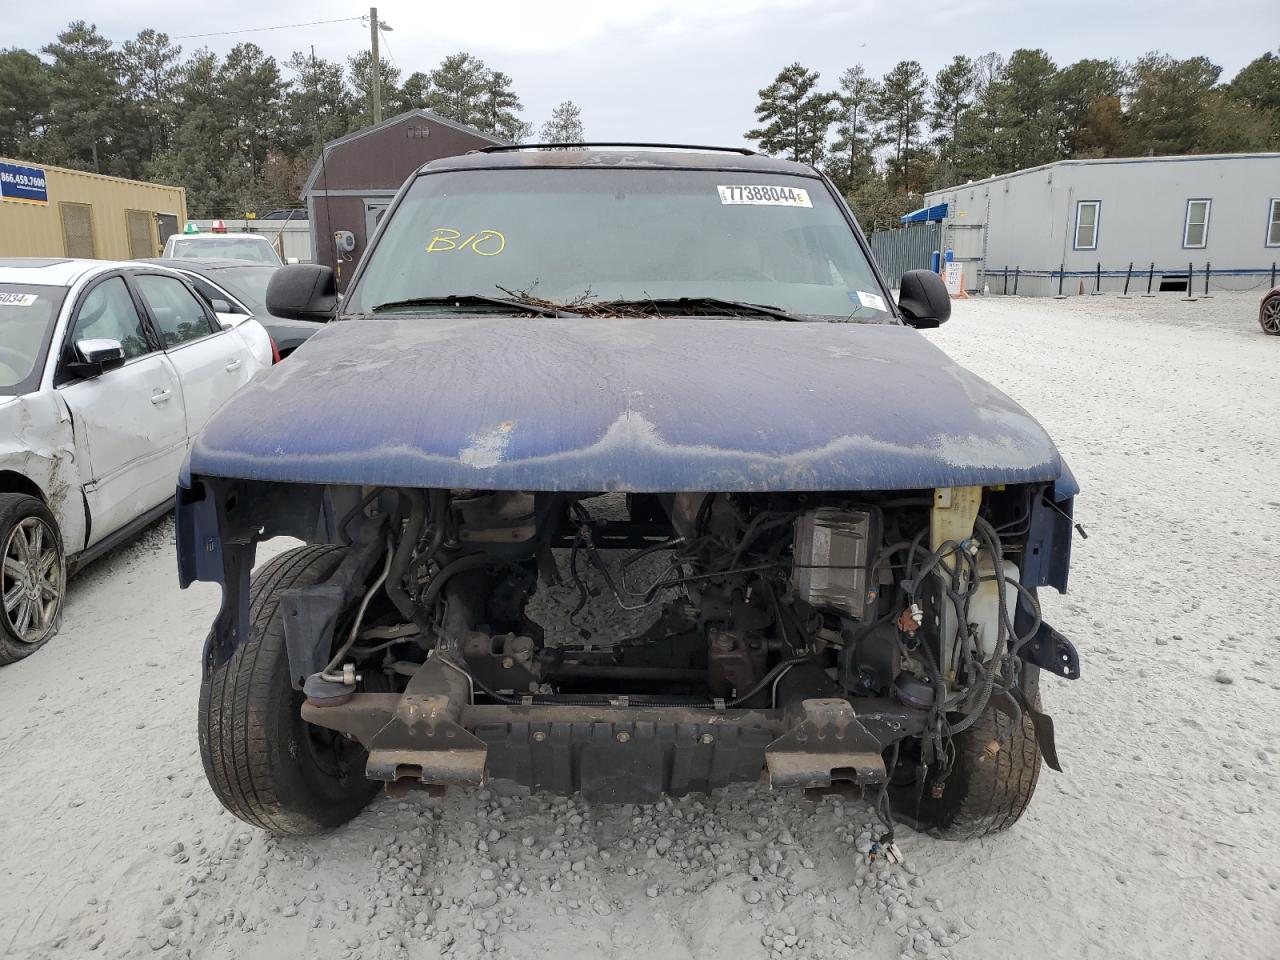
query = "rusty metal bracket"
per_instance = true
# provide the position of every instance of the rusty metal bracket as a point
(424, 741)
(828, 745)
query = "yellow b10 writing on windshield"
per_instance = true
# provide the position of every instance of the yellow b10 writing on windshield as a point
(484, 243)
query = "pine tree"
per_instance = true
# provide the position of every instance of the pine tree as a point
(1257, 87)
(952, 95)
(252, 91)
(459, 89)
(1169, 102)
(416, 92)
(199, 157)
(1029, 117)
(899, 109)
(978, 125)
(794, 116)
(150, 67)
(86, 97)
(319, 106)
(25, 100)
(1080, 90)
(565, 125)
(851, 160)
(500, 108)
(360, 73)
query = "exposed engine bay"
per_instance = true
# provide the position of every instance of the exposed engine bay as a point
(832, 638)
(740, 589)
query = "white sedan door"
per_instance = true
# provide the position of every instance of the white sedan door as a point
(131, 419)
(212, 363)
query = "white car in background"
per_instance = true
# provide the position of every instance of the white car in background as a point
(233, 246)
(107, 372)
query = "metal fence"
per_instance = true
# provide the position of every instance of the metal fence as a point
(907, 248)
(1144, 279)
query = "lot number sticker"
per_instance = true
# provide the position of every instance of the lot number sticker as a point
(17, 299)
(765, 196)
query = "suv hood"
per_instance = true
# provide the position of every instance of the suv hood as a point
(644, 405)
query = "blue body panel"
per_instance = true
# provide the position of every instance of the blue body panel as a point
(642, 405)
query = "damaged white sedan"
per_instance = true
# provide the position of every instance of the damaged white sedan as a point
(107, 370)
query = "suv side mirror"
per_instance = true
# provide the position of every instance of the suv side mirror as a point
(306, 291)
(96, 357)
(923, 299)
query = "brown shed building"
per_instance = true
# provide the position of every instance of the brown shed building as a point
(357, 176)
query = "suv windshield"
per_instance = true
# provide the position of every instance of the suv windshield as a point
(257, 249)
(601, 234)
(27, 312)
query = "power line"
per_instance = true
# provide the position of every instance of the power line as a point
(283, 26)
(390, 56)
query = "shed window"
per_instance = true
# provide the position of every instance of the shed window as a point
(1273, 224)
(77, 229)
(141, 245)
(1195, 233)
(1087, 224)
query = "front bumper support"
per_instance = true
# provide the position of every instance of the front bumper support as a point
(612, 752)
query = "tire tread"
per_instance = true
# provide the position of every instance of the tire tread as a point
(239, 708)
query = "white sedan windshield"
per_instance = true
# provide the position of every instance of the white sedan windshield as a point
(257, 249)
(27, 313)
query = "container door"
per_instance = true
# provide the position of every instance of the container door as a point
(167, 225)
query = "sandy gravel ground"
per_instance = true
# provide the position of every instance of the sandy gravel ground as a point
(1161, 839)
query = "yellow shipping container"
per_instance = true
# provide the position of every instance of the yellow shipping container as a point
(56, 212)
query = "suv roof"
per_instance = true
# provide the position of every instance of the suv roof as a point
(652, 159)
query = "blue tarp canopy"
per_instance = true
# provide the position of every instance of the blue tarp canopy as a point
(937, 212)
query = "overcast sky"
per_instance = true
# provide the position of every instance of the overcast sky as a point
(686, 70)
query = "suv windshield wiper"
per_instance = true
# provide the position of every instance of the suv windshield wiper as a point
(471, 300)
(733, 307)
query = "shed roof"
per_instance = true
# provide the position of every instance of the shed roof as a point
(420, 113)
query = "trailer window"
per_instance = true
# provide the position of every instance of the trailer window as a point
(1195, 232)
(1273, 224)
(1087, 224)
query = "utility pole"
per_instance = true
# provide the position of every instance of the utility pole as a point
(375, 64)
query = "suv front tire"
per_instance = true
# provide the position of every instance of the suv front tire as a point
(264, 762)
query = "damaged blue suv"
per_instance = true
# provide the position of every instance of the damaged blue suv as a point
(622, 473)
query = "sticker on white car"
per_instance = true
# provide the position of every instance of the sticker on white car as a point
(765, 196)
(17, 299)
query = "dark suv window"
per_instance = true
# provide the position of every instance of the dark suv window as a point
(178, 314)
